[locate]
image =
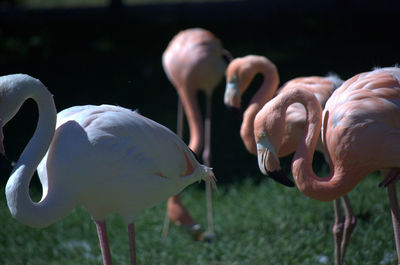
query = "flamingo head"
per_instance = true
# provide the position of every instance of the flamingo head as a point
(268, 162)
(232, 98)
(268, 131)
(239, 74)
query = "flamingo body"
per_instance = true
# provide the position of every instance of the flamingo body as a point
(366, 107)
(120, 149)
(193, 61)
(322, 88)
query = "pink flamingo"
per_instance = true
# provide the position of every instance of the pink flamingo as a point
(107, 158)
(194, 60)
(365, 107)
(295, 119)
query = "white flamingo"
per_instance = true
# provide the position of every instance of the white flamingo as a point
(107, 158)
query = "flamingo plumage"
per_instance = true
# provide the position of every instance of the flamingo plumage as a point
(107, 158)
(194, 61)
(361, 130)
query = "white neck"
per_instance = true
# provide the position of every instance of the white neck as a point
(17, 189)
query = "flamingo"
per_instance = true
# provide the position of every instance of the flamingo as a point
(107, 158)
(194, 60)
(295, 119)
(365, 107)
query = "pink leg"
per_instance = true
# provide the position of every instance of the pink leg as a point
(394, 208)
(103, 238)
(349, 225)
(179, 125)
(207, 133)
(390, 177)
(207, 162)
(132, 247)
(337, 231)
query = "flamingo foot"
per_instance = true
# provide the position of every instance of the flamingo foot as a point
(198, 233)
(181, 217)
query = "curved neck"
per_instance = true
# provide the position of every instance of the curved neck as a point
(17, 189)
(269, 85)
(323, 189)
(194, 118)
(263, 95)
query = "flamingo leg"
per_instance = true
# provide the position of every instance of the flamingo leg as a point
(337, 231)
(394, 209)
(132, 247)
(175, 210)
(179, 130)
(166, 224)
(207, 162)
(103, 239)
(180, 115)
(349, 225)
(391, 177)
(207, 133)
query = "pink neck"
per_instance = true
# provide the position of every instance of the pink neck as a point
(194, 118)
(263, 95)
(323, 189)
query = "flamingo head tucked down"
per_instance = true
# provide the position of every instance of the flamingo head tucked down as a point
(232, 97)
(239, 75)
(268, 130)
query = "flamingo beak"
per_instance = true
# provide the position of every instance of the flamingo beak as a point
(280, 177)
(232, 99)
(268, 163)
(232, 96)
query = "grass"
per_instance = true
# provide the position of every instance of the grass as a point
(263, 223)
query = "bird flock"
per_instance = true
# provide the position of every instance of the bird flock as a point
(113, 160)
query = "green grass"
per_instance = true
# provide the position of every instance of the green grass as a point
(255, 224)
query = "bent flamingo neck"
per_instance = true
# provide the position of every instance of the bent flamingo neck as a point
(323, 189)
(21, 206)
(263, 95)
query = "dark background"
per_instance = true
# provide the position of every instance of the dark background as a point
(113, 55)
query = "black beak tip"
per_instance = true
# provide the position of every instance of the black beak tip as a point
(279, 176)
